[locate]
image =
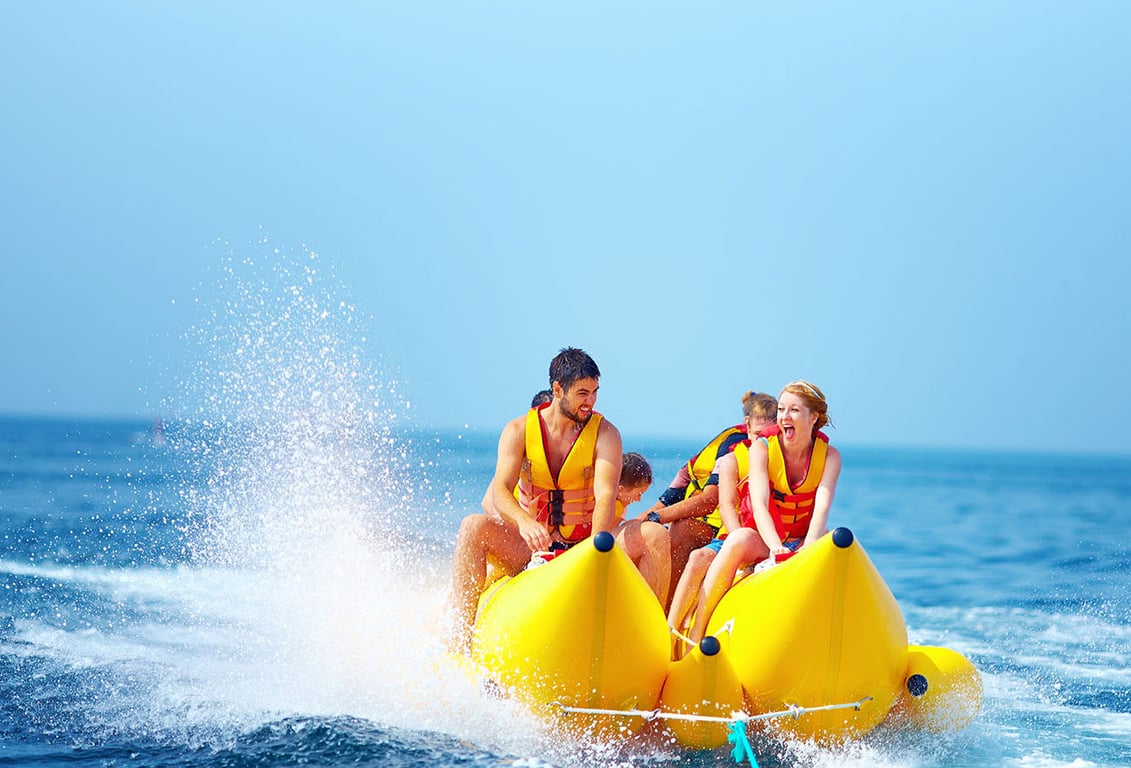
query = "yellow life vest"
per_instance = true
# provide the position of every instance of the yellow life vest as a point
(702, 464)
(790, 508)
(565, 503)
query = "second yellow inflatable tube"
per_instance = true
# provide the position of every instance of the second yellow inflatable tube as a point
(820, 629)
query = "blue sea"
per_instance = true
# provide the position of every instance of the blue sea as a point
(222, 595)
(259, 577)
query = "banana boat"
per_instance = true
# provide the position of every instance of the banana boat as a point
(818, 644)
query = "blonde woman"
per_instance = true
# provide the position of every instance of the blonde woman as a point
(784, 502)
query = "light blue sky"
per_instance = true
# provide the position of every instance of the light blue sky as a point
(924, 208)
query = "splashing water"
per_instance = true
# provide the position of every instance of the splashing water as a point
(303, 531)
(298, 436)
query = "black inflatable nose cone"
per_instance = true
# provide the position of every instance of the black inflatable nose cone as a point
(604, 541)
(917, 685)
(843, 538)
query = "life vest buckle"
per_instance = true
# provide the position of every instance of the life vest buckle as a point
(556, 500)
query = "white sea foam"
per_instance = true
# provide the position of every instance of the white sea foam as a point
(312, 593)
(1039, 759)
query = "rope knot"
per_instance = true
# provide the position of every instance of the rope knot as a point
(742, 750)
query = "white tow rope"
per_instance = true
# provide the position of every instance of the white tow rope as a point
(736, 723)
(794, 711)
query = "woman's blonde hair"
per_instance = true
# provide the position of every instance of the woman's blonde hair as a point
(814, 399)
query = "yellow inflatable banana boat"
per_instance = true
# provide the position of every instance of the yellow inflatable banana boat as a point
(819, 637)
(583, 630)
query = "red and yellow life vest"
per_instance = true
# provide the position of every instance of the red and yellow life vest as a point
(741, 453)
(791, 509)
(564, 503)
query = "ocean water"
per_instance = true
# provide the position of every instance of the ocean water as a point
(180, 596)
(260, 581)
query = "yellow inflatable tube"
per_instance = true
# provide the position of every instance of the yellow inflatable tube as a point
(583, 630)
(821, 628)
(942, 691)
(703, 683)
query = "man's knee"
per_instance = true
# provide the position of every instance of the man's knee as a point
(472, 530)
(656, 537)
(630, 538)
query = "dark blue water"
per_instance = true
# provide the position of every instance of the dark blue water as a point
(213, 594)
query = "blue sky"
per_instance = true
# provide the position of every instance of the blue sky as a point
(921, 207)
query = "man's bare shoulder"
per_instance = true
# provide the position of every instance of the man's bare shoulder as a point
(607, 430)
(515, 429)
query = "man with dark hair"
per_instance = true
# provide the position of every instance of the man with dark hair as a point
(572, 364)
(565, 459)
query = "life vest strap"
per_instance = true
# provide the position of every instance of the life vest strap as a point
(792, 500)
(557, 507)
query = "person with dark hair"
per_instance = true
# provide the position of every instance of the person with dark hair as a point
(565, 459)
(541, 396)
(635, 479)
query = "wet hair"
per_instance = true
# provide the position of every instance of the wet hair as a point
(635, 470)
(813, 398)
(760, 405)
(541, 396)
(570, 365)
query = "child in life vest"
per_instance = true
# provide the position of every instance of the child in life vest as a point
(727, 470)
(689, 506)
(635, 480)
(637, 536)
